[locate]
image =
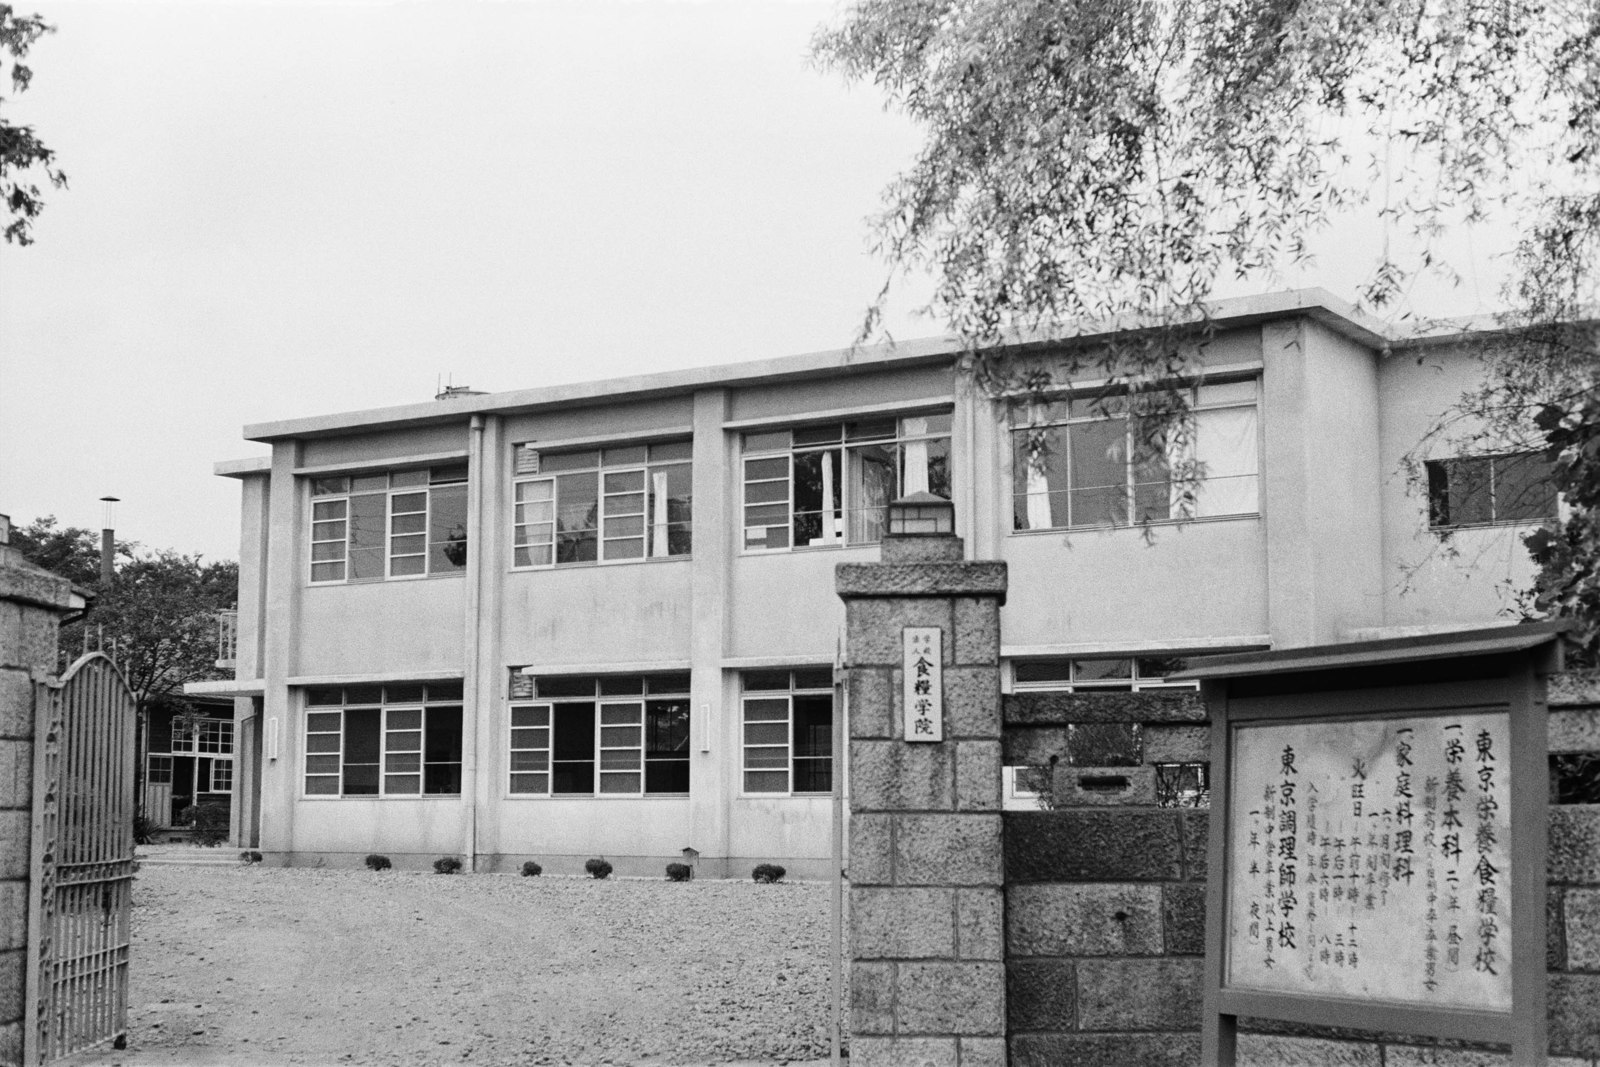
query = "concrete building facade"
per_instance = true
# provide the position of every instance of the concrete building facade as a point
(600, 620)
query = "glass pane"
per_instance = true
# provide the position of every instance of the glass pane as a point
(611, 782)
(446, 690)
(817, 435)
(1039, 479)
(667, 727)
(620, 685)
(366, 563)
(360, 779)
(443, 735)
(321, 786)
(872, 486)
(530, 783)
(368, 521)
(574, 731)
(776, 492)
(327, 572)
(1228, 392)
(623, 457)
(621, 714)
(1047, 670)
(1226, 447)
(667, 683)
(322, 765)
(767, 710)
(619, 736)
(530, 738)
(813, 678)
(626, 548)
(766, 781)
(766, 733)
(329, 531)
(566, 685)
(363, 694)
(537, 556)
(530, 761)
(527, 716)
(1098, 471)
(671, 450)
(322, 742)
(1470, 499)
(915, 425)
(407, 479)
(361, 736)
(577, 547)
(441, 778)
(447, 475)
(770, 537)
(324, 486)
(408, 524)
(1093, 670)
(762, 758)
(626, 481)
(628, 525)
(775, 468)
(407, 565)
(403, 503)
(369, 483)
(404, 761)
(541, 490)
(1523, 489)
(405, 741)
(813, 726)
(766, 442)
(869, 430)
(576, 776)
(402, 783)
(405, 718)
(813, 775)
(447, 529)
(328, 550)
(619, 759)
(666, 776)
(569, 461)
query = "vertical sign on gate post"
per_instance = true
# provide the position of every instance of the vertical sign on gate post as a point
(1377, 851)
(924, 683)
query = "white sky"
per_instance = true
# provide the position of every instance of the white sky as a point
(285, 209)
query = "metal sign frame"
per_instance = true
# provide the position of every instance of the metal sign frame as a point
(1500, 670)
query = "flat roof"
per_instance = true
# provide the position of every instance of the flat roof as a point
(1317, 304)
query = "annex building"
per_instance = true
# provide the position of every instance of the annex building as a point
(600, 619)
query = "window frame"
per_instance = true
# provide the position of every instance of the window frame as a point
(646, 468)
(1180, 508)
(436, 480)
(842, 476)
(1439, 486)
(425, 705)
(648, 700)
(790, 746)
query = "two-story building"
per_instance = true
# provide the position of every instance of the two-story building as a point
(600, 620)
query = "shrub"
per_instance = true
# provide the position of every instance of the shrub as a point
(446, 865)
(376, 862)
(679, 872)
(598, 868)
(249, 856)
(209, 823)
(144, 830)
(531, 870)
(767, 873)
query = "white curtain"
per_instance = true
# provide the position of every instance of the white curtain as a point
(658, 518)
(1225, 442)
(914, 479)
(1038, 487)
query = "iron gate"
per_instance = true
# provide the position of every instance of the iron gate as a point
(83, 861)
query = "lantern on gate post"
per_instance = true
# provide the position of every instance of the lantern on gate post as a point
(922, 515)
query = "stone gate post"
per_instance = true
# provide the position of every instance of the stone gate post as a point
(927, 935)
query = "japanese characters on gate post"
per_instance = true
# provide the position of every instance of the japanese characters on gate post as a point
(924, 684)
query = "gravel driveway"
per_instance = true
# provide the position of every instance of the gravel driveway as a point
(244, 965)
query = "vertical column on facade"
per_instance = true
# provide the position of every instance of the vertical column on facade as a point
(280, 622)
(710, 791)
(484, 670)
(245, 818)
(925, 858)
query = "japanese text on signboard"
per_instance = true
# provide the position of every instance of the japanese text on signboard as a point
(924, 684)
(1370, 859)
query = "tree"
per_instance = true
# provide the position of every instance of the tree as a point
(21, 151)
(1112, 160)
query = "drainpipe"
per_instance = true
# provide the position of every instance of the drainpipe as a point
(476, 550)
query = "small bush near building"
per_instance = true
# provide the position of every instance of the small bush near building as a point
(446, 865)
(531, 870)
(144, 830)
(376, 862)
(767, 873)
(208, 822)
(249, 856)
(598, 868)
(679, 872)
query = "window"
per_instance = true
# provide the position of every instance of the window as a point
(401, 739)
(602, 505)
(832, 484)
(222, 776)
(1075, 466)
(1479, 490)
(402, 524)
(1114, 674)
(613, 735)
(788, 731)
(205, 736)
(160, 770)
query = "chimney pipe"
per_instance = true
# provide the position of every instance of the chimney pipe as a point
(108, 542)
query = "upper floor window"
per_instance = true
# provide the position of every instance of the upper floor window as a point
(602, 505)
(1077, 463)
(617, 735)
(788, 731)
(399, 739)
(401, 524)
(832, 484)
(1105, 675)
(1480, 490)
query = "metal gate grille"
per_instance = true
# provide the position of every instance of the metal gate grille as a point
(83, 858)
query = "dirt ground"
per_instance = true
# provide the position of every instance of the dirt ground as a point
(245, 964)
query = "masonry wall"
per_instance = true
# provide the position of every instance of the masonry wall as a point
(1105, 908)
(29, 602)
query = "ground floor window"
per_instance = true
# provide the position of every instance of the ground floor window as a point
(788, 731)
(399, 739)
(610, 735)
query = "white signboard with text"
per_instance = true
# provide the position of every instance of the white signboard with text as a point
(1371, 859)
(924, 684)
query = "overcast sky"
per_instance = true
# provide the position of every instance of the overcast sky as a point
(289, 209)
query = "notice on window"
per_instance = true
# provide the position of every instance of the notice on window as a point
(924, 684)
(1371, 860)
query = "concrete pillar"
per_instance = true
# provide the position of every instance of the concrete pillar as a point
(927, 935)
(31, 604)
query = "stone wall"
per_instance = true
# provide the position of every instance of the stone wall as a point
(30, 603)
(1105, 909)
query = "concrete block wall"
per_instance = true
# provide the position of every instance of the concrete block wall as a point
(927, 978)
(1105, 908)
(31, 601)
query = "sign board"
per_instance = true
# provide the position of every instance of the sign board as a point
(1377, 848)
(1371, 859)
(923, 698)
